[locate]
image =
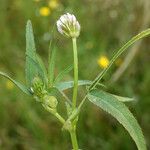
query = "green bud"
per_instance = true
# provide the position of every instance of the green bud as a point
(50, 101)
(38, 88)
(37, 84)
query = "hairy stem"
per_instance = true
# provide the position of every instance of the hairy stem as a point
(75, 89)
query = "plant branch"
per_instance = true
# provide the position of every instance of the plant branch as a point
(55, 113)
(60, 118)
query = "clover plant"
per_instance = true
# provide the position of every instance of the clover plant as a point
(44, 87)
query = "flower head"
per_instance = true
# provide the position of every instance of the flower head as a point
(44, 11)
(103, 62)
(68, 25)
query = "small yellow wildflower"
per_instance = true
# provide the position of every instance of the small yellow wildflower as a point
(103, 61)
(9, 85)
(44, 11)
(53, 4)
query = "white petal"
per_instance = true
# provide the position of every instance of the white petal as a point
(68, 25)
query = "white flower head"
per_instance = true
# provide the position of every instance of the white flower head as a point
(68, 25)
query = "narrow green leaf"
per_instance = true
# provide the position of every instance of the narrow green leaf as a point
(51, 66)
(117, 54)
(51, 57)
(123, 99)
(39, 70)
(22, 87)
(30, 69)
(69, 84)
(43, 68)
(63, 73)
(118, 110)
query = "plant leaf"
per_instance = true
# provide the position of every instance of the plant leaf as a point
(42, 68)
(69, 84)
(39, 69)
(119, 111)
(63, 73)
(117, 54)
(22, 87)
(30, 68)
(51, 66)
(122, 99)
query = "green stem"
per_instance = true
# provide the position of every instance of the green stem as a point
(55, 113)
(75, 89)
(60, 118)
(74, 139)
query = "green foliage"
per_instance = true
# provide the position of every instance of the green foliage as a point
(62, 74)
(39, 70)
(108, 102)
(31, 70)
(118, 110)
(123, 99)
(18, 84)
(34, 64)
(96, 39)
(42, 69)
(51, 65)
(69, 84)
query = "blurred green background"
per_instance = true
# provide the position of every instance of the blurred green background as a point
(105, 26)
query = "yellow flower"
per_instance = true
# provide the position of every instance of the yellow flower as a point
(44, 11)
(9, 85)
(103, 62)
(53, 4)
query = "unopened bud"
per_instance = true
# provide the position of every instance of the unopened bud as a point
(50, 101)
(38, 87)
(37, 84)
